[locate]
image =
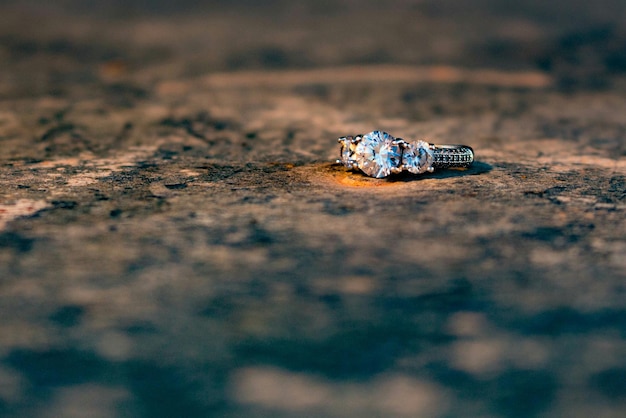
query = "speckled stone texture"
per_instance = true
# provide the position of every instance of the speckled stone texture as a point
(176, 240)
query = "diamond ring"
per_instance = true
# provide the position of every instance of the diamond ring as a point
(379, 154)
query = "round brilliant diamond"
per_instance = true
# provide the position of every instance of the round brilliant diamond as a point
(378, 154)
(417, 157)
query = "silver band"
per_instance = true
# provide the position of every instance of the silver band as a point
(379, 155)
(452, 156)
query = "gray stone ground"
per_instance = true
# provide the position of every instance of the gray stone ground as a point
(175, 239)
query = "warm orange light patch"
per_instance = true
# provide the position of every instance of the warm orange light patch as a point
(359, 180)
(338, 175)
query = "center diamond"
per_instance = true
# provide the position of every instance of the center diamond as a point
(378, 154)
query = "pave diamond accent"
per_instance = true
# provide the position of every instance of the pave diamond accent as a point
(453, 156)
(417, 157)
(378, 154)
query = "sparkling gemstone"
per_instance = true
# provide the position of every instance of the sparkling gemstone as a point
(417, 157)
(377, 154)
(347, 151)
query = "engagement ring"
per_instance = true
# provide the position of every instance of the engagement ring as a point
(379, 154)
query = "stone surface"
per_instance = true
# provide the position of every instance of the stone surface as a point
(176, 240)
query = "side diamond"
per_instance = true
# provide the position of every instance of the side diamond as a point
(417, 157)
(346, 153)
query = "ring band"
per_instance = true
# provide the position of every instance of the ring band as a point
(379, 154)
(452, 156)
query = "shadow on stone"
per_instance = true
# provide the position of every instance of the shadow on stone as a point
(477, 168)
(356, 178)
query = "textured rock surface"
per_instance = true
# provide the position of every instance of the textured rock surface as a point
(175, 240)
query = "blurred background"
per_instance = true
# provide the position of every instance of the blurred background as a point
(582, 43)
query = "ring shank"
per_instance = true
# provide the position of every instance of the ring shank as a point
(452, 156)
